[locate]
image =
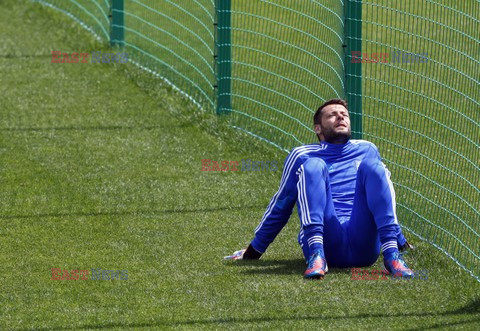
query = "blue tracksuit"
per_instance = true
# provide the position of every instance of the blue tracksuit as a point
(344, 193)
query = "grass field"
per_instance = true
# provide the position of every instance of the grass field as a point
(100, 167)
(287, 58)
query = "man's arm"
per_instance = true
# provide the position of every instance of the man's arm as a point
(279, 209)
(281, 205)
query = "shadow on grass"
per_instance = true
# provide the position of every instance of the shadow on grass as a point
(132, 213)
(88, 128)
(472, 308)
(280, 267)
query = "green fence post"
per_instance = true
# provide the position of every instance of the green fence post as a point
(353, 69)
(117, 23)
(223, 56)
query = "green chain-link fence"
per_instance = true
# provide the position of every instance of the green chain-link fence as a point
(422, 108)
(409, 69)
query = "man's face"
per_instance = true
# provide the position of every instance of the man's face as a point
(334, 125)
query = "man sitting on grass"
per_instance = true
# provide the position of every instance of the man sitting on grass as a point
(345, 202)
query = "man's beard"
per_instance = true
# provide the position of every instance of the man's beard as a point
(333, 137)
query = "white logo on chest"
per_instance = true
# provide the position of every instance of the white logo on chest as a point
(357, 164)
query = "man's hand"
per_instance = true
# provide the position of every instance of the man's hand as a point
(405, 247)
(248, 253)
(238, 255)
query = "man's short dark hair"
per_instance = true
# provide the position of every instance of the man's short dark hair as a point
(318, 114)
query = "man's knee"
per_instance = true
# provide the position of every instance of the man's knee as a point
(315, 166)
(372, 167)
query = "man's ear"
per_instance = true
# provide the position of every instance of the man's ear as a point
(317, 129)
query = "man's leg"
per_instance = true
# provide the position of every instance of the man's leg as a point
(373, 221)
(315, 209)
(336, 246)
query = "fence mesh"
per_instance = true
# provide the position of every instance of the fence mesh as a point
(287, 58)
(422, 108)
(420, 91)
